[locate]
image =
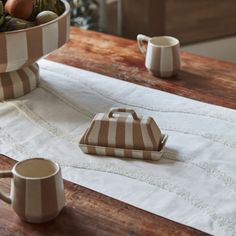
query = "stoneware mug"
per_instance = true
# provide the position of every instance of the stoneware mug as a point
(162, 54)
(37, 190)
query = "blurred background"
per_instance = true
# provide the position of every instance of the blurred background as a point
(204, 27)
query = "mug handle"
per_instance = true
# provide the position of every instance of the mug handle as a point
(115, 110)
(3, 196)
(140, 39)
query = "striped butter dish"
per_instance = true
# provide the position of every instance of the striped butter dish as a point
(122, 133)
(20, 49)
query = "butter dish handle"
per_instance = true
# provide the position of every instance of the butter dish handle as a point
(123, 110)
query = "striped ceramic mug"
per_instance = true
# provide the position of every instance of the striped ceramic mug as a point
(37, 191)
(162, 54)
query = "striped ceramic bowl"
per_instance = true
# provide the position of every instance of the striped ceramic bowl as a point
(23, 47)
(19, 50)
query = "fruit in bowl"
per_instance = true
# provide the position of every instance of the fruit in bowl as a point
(42, 28)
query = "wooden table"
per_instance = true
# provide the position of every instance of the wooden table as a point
(91, 213)
(201, 78)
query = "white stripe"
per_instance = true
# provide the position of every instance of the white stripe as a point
(50, 38)
(84, 148)
(156, 155)
(146, 138)
(17, 84)
(101, 151)
(119, 152)
(129, 132)
(94, 134)
(17, 51)
(33, 200)
(60, 191)
(166, 64)
(137, 154)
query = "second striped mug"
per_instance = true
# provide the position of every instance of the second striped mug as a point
(37, 191)
(162, 54)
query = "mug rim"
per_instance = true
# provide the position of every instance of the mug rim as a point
(164, 46)
(36, 178)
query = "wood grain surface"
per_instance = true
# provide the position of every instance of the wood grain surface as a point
(89, 213)
(204, 79)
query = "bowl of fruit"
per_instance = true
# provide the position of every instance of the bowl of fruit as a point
(29, 30)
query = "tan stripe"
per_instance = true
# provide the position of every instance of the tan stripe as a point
(103, 132)
(112, 132)
(7, 86)
(150, 134)
(25, 80)
(147, 155)
(68, 27)
(32, 78)
(137, 136)
(62, 24)
(3, 53)
(1, 90)
(110, 151)
(34, 43)
(128, 153)
(176, 58)
(19, 186)
(35, 69)
(120, 132)
(17, 84)
(33, 201)
(146, 139)
(49, 198)
(91, 150)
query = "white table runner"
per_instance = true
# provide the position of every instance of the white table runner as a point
(195, 182)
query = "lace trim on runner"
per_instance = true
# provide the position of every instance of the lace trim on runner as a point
(151, 108)
(208, 136)
(38, 120)
(227, 180)
(212, 137)
(137, 174)
(219, 175)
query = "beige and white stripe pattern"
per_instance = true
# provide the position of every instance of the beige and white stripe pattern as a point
(17, 83)
(22, 48)
(123, 135)
(163, 61)
(38, 200)
(162, 54)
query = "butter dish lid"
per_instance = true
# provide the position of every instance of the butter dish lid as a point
(122, 128)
